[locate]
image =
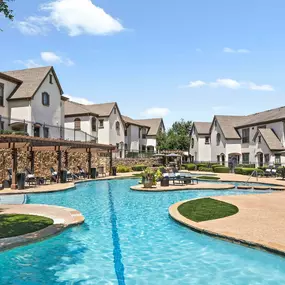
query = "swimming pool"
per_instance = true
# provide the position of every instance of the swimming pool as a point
(129, 238)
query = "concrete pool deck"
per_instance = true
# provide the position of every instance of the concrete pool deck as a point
(62, 217)
(259, 222)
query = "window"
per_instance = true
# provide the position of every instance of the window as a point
(143, 148)
(45, 99)
(266, 158)
(215, 123)
(207, 140)
(126, 132)
(218, 138)
(117, 145)
(46, 132)
(140, 132)
(192, 143)
(126, 146)
(1, 126)
(117, 126)
(144, 136)
(259, 139)
(94, 124)
(277, 159)
(245, 135)
(101, 124)
(1, 94)
(37, 131)
(77, 124)
(115, 110)
(50, 79)
(245, 158)
(218, 158)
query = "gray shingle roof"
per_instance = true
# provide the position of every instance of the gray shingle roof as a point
(271, 139)
(130, 121)
(103, 110)
(31, 78)
(202, 127)
(154, 125)
(73, 108)
(228, 124)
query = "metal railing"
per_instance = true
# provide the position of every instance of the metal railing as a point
(42, 129)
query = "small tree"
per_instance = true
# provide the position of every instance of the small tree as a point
(4, 9)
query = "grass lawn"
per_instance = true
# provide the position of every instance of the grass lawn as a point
(208, 177)
(206, 209)
(16, 225)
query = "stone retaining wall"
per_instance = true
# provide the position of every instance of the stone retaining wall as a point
(44, 160)
(130, 162)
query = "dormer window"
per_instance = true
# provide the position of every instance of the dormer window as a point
(50, 79)
(45, 99)
(192, 143)
(1, 95)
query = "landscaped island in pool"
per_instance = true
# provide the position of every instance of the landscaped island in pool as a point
(129, 238)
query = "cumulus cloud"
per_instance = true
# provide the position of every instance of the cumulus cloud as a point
(231, 84)
(71, 16)
(29, 63)
(52, 58)
(79, 100)
(230, 50)
(156, 112)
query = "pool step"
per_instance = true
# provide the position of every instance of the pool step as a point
(12, 199)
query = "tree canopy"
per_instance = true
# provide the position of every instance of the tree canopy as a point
(4, 9)
(176, 138)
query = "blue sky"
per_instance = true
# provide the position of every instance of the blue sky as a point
(179, 59)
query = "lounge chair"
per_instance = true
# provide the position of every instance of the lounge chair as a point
(81, 173)
(30, 177)
(101, 171)
(54, 175)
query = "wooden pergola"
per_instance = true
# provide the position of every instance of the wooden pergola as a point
(32, 144)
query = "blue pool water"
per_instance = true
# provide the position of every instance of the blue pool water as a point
(129, 238)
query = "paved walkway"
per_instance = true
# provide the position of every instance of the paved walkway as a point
(62, 217)
(259, 222)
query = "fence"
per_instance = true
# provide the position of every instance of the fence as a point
(38, 129)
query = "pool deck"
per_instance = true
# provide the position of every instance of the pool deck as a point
(259, 222)
(62, 217)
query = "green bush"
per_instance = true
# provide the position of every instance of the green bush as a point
(222, 169)
(139, 167)
(238, 170)
(248, 171)
(246, 165)
(206, 169)
(208, 177)
(216, 165)
(123, 169)
(199, 165)
(190, 166)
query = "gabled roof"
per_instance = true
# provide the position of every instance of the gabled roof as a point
(72, 109)
(30, 80)
(228, 124)
(103, 110)
(202, 128)
(130, 121)
(263, 117)
(153, 124)
(271, 139)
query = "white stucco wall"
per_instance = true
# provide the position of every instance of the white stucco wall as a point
(132, 140)
(217, 149)
(8, 88)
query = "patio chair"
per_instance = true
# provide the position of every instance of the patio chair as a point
(54, 174)
(30, 176)
(101, 171)
(9, 170)
(81, 173)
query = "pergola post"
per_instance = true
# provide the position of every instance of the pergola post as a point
(89, 162)
(111, 162)
(58, 165)
(14, 168)
(32, 160)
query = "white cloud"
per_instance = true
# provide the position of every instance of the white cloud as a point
(75, 18)
(29, 63)
(52, 58)
(230, 50)
(231, 84)
(156, 112)
(196, 84)
(80, 100)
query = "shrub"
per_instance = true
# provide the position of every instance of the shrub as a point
(199, 165)
(248, 171)
(123, 169)
(206, 169)
(246, 165)
(238, 170)
(190, 166)
(209, 177)
(222, 169)
(216, 165)
(139, 167)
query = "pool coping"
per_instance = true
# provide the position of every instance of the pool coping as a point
(194, 226)
(63, 218)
